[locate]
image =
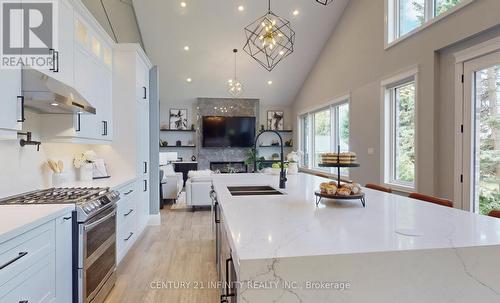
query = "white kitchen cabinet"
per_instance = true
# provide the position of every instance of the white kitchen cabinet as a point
(62, 51)
(126, 220)
(28, 260)
(131, 118)
(11, 112)
(64, 263)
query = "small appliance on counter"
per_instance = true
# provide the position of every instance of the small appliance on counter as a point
(94, 236)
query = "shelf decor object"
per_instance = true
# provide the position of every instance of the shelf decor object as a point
(270, 39)
(178, 119)
(325, 2)
(319, 195)
(235, 86)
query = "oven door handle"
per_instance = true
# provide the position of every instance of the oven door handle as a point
(94, 224)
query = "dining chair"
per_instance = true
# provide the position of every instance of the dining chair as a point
(494, 213)
(431, 199)
(379, 187)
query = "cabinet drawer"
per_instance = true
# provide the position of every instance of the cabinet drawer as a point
(36, 284)
(21, 252)
(127, 191)
(125, 236)
(126, 210)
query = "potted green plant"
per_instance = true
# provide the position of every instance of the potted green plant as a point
(275, 156)
(252, 155)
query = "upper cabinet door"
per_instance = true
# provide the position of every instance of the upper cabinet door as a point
(64, 54)
(11, 111)
(142, 81)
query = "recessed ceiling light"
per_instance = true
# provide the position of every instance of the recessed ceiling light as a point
(296, 12)
(269, 82)
(189, 80)
(186, 48)
(183, 4)
(54, 104)
(241, 8)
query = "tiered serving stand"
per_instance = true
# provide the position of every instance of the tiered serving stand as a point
(319, 195)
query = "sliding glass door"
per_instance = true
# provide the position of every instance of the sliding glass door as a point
(482, 133)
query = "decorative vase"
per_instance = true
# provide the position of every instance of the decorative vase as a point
(86, 172)
(58, 179)
(293, 168)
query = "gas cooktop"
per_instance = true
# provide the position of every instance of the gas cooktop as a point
(88, 201)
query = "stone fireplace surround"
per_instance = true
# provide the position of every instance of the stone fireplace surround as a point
(226, 107)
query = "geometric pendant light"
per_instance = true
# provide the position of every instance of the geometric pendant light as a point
(270, 39)
(235, 87)
(325, 2)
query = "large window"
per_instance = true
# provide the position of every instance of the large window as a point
(322, 131)
(405, 16)
(400, 132)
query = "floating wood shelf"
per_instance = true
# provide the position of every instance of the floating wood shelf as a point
(179, 130)
(277, 146)
(175, 146)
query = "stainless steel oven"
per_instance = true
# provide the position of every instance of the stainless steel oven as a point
(97, 256)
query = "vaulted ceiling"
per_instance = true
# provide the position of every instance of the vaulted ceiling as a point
(212, 29)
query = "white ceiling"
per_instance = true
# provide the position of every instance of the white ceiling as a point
(212, 29)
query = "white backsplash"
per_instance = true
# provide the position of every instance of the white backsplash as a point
(23, 168)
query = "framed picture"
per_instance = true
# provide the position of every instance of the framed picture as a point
(275, 120)
(178, 119)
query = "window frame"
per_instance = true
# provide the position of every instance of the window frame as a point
(388, 129)
(391, 19)
(333, 107)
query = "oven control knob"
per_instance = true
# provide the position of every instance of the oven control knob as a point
(86, 209)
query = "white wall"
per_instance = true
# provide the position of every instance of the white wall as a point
(354, 60)
(23, 168)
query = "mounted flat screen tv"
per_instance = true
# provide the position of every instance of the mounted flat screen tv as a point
(228, 131)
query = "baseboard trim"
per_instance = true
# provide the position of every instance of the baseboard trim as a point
(154, 220)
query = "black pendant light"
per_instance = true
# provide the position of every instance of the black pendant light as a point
(269, 39)
(325, 2)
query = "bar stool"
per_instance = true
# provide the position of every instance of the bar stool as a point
(431, 199)
(379, 188)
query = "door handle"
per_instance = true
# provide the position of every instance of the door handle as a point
(19, 256)
(224, 297)
(104, 128)
(216, 216)
(22, 119)
(145, 167)
(53, 52)
(129, 236)
(145, 185)
(78, 123)
(145, 93)
(56, 69)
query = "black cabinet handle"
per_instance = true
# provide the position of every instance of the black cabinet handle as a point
(78, 122)
(67, 218)
(145, 93)
(223, 298)
(25, 301)
(129, 192)
(145, 185)
(104, 128)
(19, 256)
(145, 167)
(129, 212)
(22, 119)
(129, 236)
(56, 69)
(53, 52)
(217, 219)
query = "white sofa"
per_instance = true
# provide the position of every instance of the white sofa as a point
(198, 187)
(172, 183)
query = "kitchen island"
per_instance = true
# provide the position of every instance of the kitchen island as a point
(285, 249)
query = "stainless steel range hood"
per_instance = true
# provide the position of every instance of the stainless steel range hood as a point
(47, 95)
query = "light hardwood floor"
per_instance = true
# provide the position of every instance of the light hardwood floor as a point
(181, 249)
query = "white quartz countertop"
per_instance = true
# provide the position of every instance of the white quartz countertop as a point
(17, 219)
(292, 226)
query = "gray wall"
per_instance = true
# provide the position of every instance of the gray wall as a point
(354, 60)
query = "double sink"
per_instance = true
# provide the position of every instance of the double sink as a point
(255, 190)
